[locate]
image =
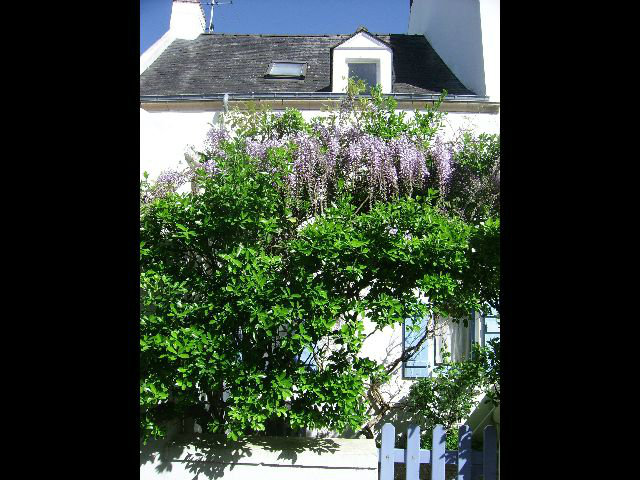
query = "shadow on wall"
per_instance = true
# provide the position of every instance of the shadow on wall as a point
(209, 455)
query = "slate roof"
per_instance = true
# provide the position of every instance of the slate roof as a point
(227, 63)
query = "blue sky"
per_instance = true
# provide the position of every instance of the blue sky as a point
(284, 16)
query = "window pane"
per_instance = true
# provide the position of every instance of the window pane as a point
(282, 69)
(364, 71)
(492, 324)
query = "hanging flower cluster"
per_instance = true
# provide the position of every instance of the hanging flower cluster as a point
(441, 153)
(319, 158)
(213, 142)
(167, 182)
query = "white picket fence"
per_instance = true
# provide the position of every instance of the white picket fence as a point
(291, 458)
(470, 464)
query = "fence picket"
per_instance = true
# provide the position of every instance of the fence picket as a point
(387, 452)
(464, 452)
(489, 454)
(412, 453)
(437, 453)
(469, 462)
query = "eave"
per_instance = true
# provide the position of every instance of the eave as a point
(309, 101)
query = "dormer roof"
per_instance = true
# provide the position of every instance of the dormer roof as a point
(365, 33)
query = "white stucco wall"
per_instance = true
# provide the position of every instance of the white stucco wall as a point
(490, 15)
(187, 19)
(265, 458)
(466, 35)
(362, 48)
(165, 136)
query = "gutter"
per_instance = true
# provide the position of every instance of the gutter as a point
(307, 101)
(301, 96)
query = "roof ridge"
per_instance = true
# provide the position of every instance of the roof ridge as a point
(301, 34)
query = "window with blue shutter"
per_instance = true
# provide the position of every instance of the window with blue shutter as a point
(306, 357)
(417, 366)
(490, 325)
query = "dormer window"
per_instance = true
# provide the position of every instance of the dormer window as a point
(365, 70)
(287, 70)
(362, 56)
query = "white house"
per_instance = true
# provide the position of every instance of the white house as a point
(188, 77)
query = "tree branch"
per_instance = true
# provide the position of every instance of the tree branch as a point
(406, 354)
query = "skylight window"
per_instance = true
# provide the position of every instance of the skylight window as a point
(287, 70)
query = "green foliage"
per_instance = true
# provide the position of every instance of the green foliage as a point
(259, 122)
(223, 297)
(474, 191)
(252, 121)
(485, 261)
(240, 282)
(492, 371)
(448, 397)
(379, 117)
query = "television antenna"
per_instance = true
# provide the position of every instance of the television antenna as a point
(213, 4)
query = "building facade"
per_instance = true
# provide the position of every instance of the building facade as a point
(189, 78)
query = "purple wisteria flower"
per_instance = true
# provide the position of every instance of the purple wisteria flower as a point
(412, 165)
(258, 148)
(167, 182)
(310, 168)
(213, 141)
(442, 154)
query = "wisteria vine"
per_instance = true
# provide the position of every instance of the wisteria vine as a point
(332, 150)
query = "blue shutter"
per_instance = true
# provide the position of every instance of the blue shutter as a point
(418, 363)
(306, 357)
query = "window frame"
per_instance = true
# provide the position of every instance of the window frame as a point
(436, 352)
(302, 76)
